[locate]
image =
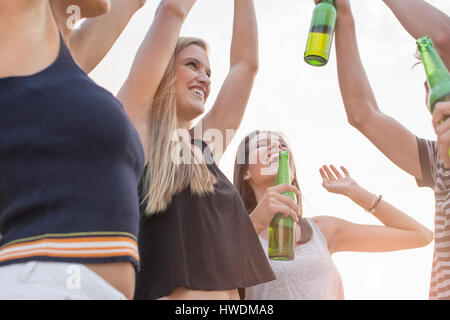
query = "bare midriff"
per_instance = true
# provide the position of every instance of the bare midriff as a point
(121, 275)
(182, 293)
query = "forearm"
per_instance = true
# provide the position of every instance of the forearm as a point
(419, 19)
(153, 56)
(385, 212)
(95, 38)
(244, 45)
(259, 227)
(357, 95)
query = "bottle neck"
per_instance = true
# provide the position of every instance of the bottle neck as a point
(327, 1)
(283, 174)
(435, 68)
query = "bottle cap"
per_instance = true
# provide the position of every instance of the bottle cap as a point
(425, 41)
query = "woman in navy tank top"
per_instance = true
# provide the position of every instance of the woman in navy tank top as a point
(69, 162)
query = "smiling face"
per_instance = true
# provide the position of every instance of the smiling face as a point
(264, 149)
(193, 84)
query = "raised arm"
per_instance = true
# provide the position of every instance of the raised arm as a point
(419, 19)
(229, 107)
(152, 60)
(91, 42)
(389, 136)
(95, 38)
(399, 232)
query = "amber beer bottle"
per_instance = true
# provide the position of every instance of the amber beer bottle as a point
(321, 33)
(438, 77)
(282, 230)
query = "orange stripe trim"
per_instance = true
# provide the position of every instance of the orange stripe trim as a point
(71, 249)
(72, 240)
(80, 255)
(126, 251)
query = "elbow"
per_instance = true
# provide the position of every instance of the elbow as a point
(253, 67)
(174, 8)
(106, 7)
(102, 7)
(427, 237)
(424, 237)
(141, 3)
(354, 121)
(357, 120)
(248, 67)
(360, 115)
(95, 8)
(442, 42)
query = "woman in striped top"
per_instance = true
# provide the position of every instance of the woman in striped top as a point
(427, 161)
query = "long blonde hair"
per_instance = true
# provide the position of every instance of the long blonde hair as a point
(164, 178)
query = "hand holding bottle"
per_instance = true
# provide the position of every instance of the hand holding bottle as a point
(342, 6)
(274, 202)
(441, 125)
(438, 82)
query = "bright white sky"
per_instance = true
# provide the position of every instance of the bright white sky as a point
(305, 103)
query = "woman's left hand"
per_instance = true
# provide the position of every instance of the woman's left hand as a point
(441, 124)
(333, 181)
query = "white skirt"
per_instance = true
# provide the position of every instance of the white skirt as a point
(38, 280)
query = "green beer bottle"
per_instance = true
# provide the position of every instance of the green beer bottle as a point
(321, 33)
(438, 77)
(282, 230)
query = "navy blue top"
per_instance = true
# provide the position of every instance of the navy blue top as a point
(70, 162)
(200, 242)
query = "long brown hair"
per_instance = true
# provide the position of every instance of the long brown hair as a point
(245, 190)
(164, 178)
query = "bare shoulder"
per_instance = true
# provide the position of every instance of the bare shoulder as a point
(328, 227)
(324, 222)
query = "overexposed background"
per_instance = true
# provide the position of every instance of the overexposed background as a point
(305, 103)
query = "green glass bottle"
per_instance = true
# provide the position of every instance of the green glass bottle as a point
(438, 77)
(321, 33)
(282, 230)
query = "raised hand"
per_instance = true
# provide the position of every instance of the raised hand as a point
(334, 181)
(342, 6)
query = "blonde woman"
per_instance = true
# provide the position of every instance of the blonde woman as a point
(196, 240)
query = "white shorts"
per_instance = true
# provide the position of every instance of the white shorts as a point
(38, 280)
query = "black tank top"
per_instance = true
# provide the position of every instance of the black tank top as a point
(201, 243)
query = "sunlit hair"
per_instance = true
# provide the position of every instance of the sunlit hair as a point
(241, 164)
(165, 178)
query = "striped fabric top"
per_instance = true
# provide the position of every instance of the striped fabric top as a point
(437, 177)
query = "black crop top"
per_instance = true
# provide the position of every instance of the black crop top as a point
(201, 243)
(70, 163)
